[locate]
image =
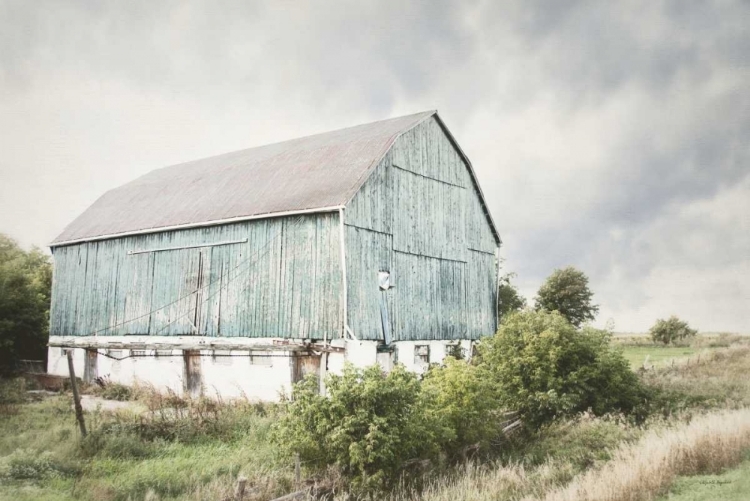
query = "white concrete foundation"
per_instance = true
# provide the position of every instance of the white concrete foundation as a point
(238, 373)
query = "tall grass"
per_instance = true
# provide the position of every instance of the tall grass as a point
(641, 471)
(637, 471)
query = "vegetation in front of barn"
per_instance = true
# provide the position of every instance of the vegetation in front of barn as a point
(196, 448)
(547, 409)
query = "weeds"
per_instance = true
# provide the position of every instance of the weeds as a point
(26, 464)
(115, 391)
(708, 444)
(194, 448)
(12, 395)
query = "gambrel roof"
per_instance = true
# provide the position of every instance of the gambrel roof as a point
(315, 173)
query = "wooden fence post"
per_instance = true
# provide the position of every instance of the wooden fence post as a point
(239, 492)
(76, 396)
(297, 473)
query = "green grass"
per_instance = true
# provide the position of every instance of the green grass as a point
(658, 355)
(24, 491)
(732, 485)
(200, 455)
(42, 456)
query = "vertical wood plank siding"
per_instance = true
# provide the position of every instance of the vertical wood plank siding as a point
(285, 281)
(420, 214)
(367, 253)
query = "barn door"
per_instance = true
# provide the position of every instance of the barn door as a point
(200, 290)
(304, 364)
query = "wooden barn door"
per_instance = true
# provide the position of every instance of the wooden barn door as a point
(304, 364)
(201, 280)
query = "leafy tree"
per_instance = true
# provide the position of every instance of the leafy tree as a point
(671, 330)
(25, 284)
(508, 297)
(545, 368)
(466, 401)
(369, 425)
(567, 291)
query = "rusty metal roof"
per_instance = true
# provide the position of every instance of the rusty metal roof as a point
(320, 172)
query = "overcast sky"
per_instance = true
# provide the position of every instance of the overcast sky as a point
(613, 136)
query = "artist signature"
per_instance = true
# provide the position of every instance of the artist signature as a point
(714, 482)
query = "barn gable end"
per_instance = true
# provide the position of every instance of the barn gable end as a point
(420, 216)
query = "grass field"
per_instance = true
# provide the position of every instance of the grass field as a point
(199, 456)
(640, 350)
(732, 485)
(658, 355)
(196, 450)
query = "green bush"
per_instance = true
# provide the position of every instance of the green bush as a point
(115, 391)
(545, 368)
(114, 440)
(27, 464)
(12, 395)
(671, 330)
(581, 441)
(369, 426)
(465, 400)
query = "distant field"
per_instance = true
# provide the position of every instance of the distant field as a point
(659, 355)
(637, 346)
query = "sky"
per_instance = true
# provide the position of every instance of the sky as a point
(611, 136)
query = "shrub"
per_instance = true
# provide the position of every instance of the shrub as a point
(581, 441)
(671, 330)
(12, 395)
(115, 391)
(465, 400)
(114, 440)
(26, 464)
(369, 426)
(545, 368)
(567, 291)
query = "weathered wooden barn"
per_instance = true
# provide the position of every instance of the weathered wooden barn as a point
(242, 272)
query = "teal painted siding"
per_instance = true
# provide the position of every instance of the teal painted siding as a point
(285, 281)
(367, 253)
(420, 217)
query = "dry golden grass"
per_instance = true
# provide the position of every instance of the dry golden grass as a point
(638, 471)
(643, 470)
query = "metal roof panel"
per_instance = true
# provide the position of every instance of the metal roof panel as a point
(314, 172)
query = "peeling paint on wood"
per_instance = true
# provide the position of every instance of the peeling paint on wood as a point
(285, 282)
(302, 365)
(91, 364)
(420, 217)
(192, 378)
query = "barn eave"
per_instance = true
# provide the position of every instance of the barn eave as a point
(217, 222)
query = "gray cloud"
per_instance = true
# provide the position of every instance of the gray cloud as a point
(612, 136)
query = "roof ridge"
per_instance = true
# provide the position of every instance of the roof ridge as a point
(297, 174)
(426, 113)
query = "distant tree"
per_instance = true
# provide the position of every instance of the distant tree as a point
(25, 284)
(508, 297)
(671, 330)
(567, 291)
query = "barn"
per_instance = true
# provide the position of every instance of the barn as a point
(241, 273)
